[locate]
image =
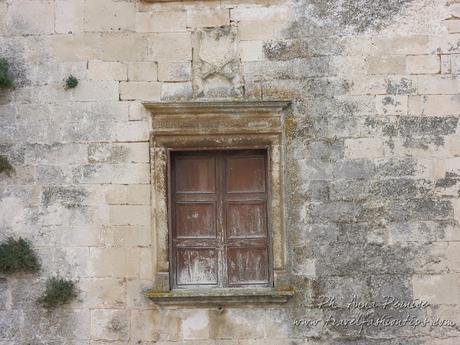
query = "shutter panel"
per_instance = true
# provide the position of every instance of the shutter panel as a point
(245, 208)
(194, 225)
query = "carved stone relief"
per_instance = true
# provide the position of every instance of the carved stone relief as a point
(216, 64)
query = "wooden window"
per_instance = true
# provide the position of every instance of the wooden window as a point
(219, 219)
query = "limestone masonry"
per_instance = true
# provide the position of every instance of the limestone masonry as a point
(371, 164)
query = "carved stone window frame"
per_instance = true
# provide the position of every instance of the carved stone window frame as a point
(216, 125)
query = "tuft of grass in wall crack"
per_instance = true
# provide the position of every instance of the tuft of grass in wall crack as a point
(5, 166)
(58, 291)
(5, 77)
(71, 82)
(17, 255)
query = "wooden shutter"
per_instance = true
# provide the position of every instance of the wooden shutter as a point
(219, 219)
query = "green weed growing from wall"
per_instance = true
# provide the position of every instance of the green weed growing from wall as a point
(17, 255)
(71, 82)
(5, 166)
(5, 77)
(58, 291)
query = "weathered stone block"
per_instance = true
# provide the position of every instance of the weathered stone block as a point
(109, 324)
(286, 49)
(368, 85)
(139, 194)
(79, 236)
(96, 91)
(161, 21)
(401, 85)
(208, 17)
(129, 215)
(294, 69)
(113, 262)
(195, 325)
(392, 105)
(131, 173)
(353, 169)
(135, 297)
(437, 289)
(455, 60)
(3, 19)
(441, 105)
(116, 194)
(260, 30)
(142, 71)
(446, 66)
(128, 236)
(151, 325)
(57, 154)
(423, 64)
(69, 16)
(132, 131)
(170, 47)
(122, 47)
(346, 190)
(145, 325)
(392, 64)
(363, 148)
(452, 165)
(118, 153)
(260, 12)
(426, 126)
(57, 327)
(176, 91)
(251, 50)
(30, 17)
(109, 16)
(439, 85)
(335, 263)
(454, 145)
(454, 10)
(236, 324)
(102, 70)
(140, 90)
(174, 71)
(103, 292)
(453, 26)
(137, 112)
(76, 47)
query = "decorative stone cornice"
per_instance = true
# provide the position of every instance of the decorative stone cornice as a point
(218, 117)
(214, 106)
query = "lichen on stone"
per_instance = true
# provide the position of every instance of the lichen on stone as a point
(337, 16)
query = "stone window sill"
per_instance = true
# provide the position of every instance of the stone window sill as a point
(220, 296)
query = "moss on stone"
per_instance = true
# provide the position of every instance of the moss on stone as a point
(58, 291)
(17, 255)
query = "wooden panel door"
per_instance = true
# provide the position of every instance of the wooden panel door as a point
(219, 219)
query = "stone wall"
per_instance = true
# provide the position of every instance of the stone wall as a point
(373, 160)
